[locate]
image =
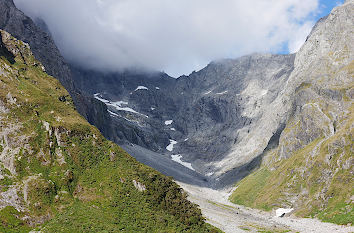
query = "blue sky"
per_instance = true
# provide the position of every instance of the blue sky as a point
(325, 7)
(328, 5)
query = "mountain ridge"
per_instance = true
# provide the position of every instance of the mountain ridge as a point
(311, 168)
(59, 174)
(281, 120)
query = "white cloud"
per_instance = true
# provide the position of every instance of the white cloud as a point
(177, 36)
(300, 36)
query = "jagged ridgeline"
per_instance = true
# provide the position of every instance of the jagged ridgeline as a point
(59, 174)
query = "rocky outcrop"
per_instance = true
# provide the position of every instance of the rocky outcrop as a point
(23, 28)
(322, 81)
(44, 49)
(311, 169)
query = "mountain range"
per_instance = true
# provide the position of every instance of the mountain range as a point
(279, 127)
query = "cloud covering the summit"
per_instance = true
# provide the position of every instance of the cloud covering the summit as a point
(175, 36)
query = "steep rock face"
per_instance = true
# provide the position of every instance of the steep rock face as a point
(229, 97)
(326, 50)
(43, 47)
(312, 168)
(45, 50)
(205, 114)
(224, 118)
(322, 82)
(133, 125)
(57, 169)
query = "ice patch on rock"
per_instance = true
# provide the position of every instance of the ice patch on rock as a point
(169, 122)
(117, 105)
(113, 113)
(281, 212)
(120, 103)
(177, 158)
(170, 146)
(141, 88)
(97, 96)
(222, 93)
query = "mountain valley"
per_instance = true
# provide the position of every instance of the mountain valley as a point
(244, 137)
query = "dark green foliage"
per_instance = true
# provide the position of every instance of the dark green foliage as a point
(75, 179)
(10, 221)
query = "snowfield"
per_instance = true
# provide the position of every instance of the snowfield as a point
(169, 122)
(177, 158)
(141, 88)
(117, 105)
(170, 146)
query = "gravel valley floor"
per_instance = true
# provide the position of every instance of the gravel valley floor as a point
(219, 211)
(231, 218)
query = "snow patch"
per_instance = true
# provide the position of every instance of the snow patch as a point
(117, 105)
(152, 108)
(120, 103)
(97, 96)
(186, 139)
(281, 212)
(141, 88)
(113, 113)
(210, 174)
(173, 129)
(157, 88)
(169, 122)
(208, 92)
(170, 146)
(177, 158)
(222, 93)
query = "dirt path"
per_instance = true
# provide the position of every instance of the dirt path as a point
(233, 218)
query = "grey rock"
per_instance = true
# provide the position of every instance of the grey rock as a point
(234, 110)
(224, 117)
(215, 108)
(43, 47)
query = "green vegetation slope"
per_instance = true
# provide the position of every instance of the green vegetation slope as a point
(59, 174)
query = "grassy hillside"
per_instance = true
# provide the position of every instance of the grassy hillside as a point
(299, 182)
(59, 174)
